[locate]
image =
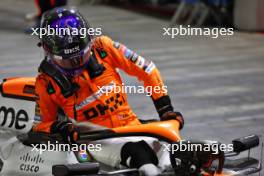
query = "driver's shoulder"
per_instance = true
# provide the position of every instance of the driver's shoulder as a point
(103, 42)
(44, 80)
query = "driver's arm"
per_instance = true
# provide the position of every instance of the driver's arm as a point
(48, 108)
(144, 70)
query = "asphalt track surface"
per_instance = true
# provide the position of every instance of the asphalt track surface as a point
(218, 84)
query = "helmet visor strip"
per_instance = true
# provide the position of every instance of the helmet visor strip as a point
(75, 61)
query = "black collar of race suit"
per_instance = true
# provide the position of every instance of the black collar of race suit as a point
(68, 88)
(93, 67)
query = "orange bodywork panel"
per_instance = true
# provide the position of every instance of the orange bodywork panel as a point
(21, 88)
(167, 129)
(222, 174)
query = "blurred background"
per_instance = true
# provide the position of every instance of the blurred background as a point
(218, 84)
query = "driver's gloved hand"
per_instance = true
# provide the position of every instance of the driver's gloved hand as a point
(67, 130)
(173, 116)
(166, 111)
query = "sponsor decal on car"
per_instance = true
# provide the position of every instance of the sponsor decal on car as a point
(84, 156)
(30, 163)
(13, 119)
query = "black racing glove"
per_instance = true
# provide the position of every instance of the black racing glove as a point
(67, 130)
(165, 110)
(173, 116)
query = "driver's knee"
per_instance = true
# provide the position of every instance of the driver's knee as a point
(137, 154)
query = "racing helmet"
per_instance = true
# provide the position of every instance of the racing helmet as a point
(66, 43)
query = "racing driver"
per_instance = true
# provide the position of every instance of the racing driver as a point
(74, 68)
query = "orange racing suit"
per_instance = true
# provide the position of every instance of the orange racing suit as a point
(89, 103)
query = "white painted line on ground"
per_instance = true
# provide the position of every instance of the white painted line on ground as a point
(224, 110)
(220, 91)
(246, 118)
(191, 75)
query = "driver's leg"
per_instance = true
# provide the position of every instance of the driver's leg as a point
(140, 155)
(132, 152)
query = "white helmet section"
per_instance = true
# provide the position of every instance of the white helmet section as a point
(16, 115)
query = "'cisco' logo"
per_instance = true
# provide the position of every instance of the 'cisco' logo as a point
(31, 164)
(18, 119)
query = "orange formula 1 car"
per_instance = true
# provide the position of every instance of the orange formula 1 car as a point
(21, 154)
